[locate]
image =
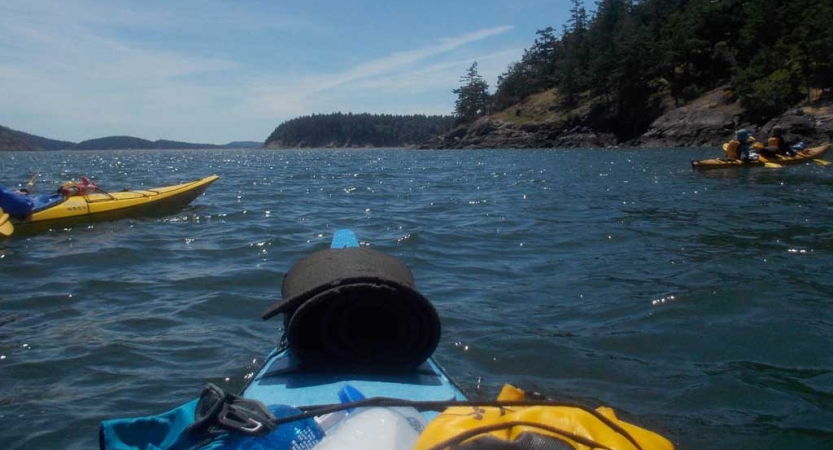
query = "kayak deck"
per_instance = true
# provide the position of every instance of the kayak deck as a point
(280, 381)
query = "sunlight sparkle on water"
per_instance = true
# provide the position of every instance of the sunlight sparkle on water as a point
(663, 300)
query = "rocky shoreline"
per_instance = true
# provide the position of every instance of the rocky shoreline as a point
(538, 122)
(708, 121)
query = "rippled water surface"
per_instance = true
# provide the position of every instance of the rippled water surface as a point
(696, 304)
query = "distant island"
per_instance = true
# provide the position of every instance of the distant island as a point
(17, 140)
(340, 130)
(129, 142)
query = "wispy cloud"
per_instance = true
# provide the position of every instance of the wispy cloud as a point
(443, 75)
(407, 70)
(83, 70)
(402, 60)
(73, 74)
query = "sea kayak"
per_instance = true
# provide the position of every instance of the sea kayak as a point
(61, 211)
(809, 154)
(354, 370)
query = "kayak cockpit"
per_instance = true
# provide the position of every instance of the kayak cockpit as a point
(46, 201)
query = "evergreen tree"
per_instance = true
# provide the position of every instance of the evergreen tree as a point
(602, 35)
(472, 97)
(573, 68)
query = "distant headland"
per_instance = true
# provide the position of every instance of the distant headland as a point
(348, 130)
(20, 141)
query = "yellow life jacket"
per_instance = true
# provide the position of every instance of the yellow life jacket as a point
(731, 148)
(772, 142)
(583, 429)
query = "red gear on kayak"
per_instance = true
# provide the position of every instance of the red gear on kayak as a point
(84, 187)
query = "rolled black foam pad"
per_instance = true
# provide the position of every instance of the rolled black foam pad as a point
(356, 308)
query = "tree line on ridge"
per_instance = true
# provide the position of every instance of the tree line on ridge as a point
(631, 57)
(357, 130)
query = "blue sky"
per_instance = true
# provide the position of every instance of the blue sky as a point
(218, 71)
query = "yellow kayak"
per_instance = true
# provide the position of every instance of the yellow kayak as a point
(813, 153)
(98, 205)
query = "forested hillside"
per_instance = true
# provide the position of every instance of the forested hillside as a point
(130, 142)
(630, 61)
(357, 130)
(18, 140)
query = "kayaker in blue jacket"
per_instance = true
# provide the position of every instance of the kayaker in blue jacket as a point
(16, 203)
(739, 147)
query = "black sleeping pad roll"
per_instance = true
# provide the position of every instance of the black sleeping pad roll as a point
(356, 308)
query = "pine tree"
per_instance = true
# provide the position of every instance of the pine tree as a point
(473, 97)
(573, 67)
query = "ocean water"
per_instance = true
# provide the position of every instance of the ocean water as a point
(697, 305)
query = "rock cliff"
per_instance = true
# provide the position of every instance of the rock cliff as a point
(708, 121)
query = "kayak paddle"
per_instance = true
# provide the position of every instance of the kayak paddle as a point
(768, 163)
(6, 227)
(31, 182)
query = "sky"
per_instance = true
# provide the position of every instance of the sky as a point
(214, 71)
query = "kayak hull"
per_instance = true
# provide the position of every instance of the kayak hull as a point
(730, 163)
(104, 206)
